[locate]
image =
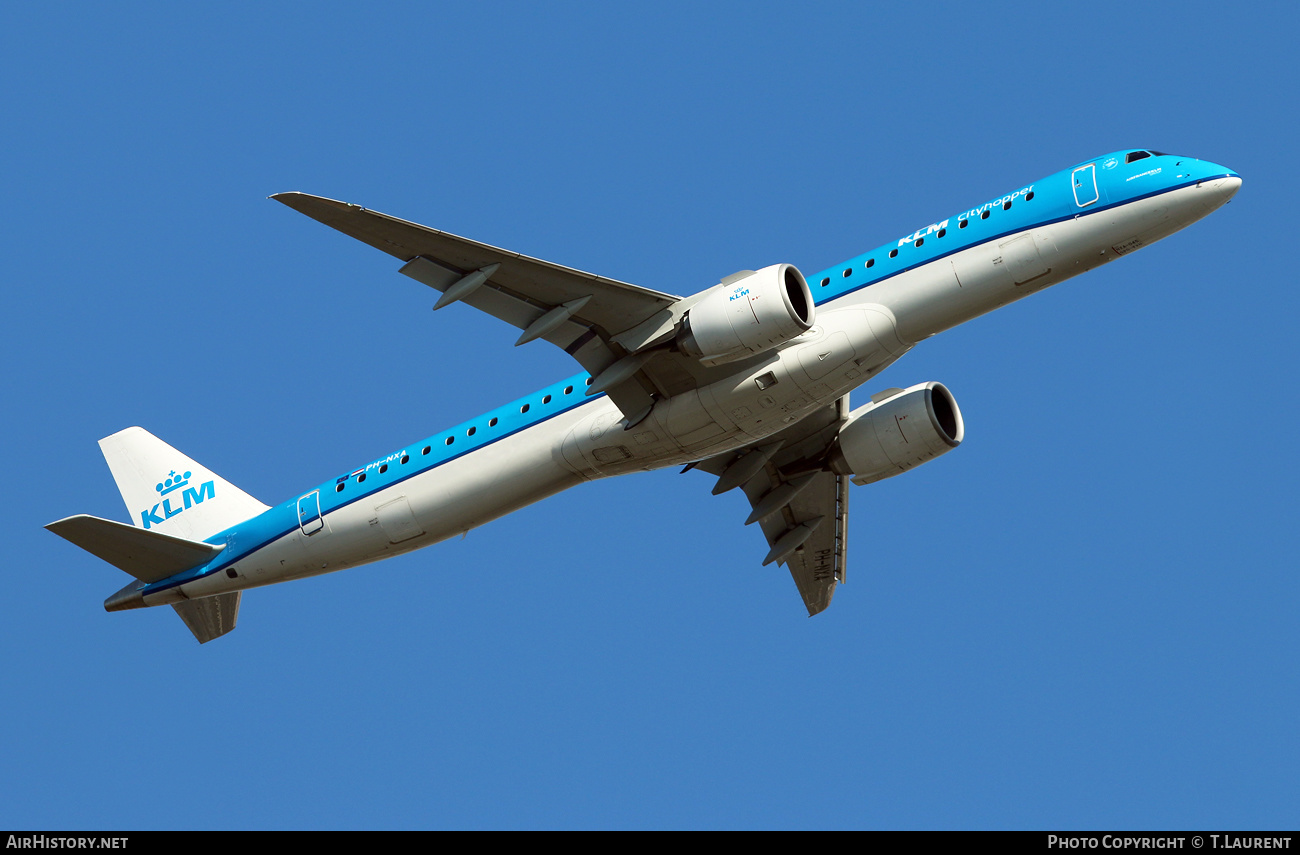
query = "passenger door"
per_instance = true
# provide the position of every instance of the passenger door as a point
(309, 518)
(1084, 180)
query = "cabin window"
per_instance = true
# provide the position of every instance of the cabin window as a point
(546, 400)
(893, 253)
(524, 408)
(492, 422)
(450, 440)
(919, 241)
(425, 450)
(961, 224)
(1136, 155)
(848, 271)
(361, 477)
(871, 262)
(942, 232)
(589, 380)
(568, 390)
(406, 458)
(984, 216)
(826, 280)
(338, 488)
(383, 469)
(1029, 195)
(471, 431)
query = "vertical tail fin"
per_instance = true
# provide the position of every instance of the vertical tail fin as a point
(167, 492)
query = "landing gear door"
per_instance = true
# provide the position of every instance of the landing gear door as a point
(1084, 180)
(309, 518)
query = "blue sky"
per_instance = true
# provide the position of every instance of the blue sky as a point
(1083, 617)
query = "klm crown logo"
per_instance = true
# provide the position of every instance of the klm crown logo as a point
(170, 505)
(172, 483)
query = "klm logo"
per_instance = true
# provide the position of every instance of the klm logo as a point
(933, 228)
(171, 505)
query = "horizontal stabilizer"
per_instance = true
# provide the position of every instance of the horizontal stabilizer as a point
(210, 617)
(147, 555)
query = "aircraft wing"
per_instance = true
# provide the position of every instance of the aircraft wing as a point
(818, 563)
(802, 508)
(596, 320)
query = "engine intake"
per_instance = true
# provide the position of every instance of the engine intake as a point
(890, 436)
(747, 315)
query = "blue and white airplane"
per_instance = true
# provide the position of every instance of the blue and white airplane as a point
(748, 380)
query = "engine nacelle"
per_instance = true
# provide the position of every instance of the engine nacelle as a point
(748, 315)
(887, 437)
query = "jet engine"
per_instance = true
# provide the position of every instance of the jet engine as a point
(897, 432)
(747, 313)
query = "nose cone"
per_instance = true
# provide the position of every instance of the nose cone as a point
(1227, 187)
(1202, 188)
(1218, 190)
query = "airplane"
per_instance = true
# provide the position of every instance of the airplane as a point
(747, 380)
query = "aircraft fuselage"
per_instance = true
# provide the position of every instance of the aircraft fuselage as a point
(870, 311)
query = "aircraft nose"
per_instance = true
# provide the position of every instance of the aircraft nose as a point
(1227, 187)
(1217, 191)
